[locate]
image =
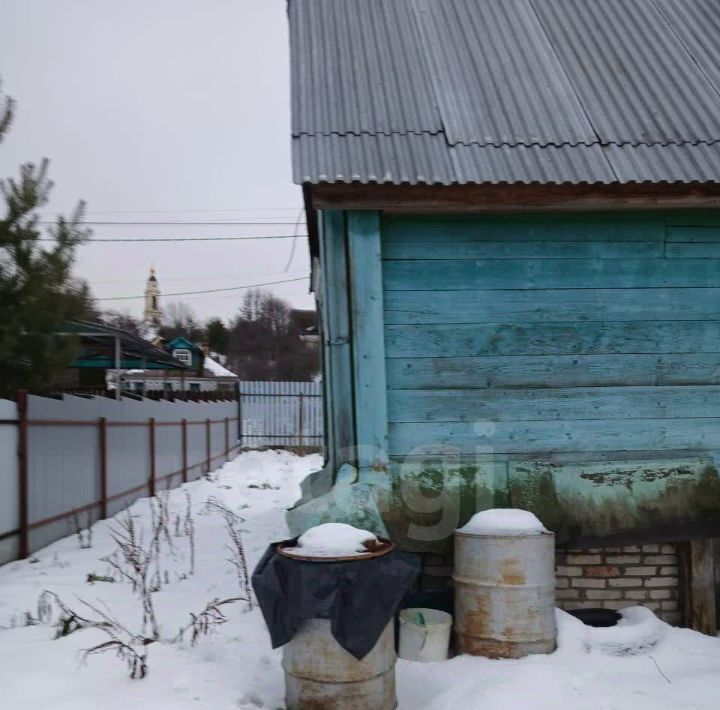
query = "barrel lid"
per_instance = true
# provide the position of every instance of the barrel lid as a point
(381, 548)
(518, 535)
(503, 523)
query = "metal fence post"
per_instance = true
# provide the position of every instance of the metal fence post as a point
(151, 434)
(301, 417)
(22, 405)
(208, 448)
(184, 452)
(227, 439)
(102, 440)
(239, 419)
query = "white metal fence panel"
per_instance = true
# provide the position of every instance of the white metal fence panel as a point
(89, 457)
(281, 414)
(9, 493)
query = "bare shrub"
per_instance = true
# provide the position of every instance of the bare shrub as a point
(68, 621)
(235, 548)
(135, 565)
(207, 620)
(129, 647)
(135, 660)
(84, 535)
(189, 530)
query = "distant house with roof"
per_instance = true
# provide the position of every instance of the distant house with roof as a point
(204, 373)
(104, 350)
(515, 235)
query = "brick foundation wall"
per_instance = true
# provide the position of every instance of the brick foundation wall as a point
(608, 577)
(618, 577)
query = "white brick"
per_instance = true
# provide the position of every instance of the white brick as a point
(625, 582)
(604, 594)
(565, 571)
(670, 582)
(636, 594)
(584, 559)
(640, 571)
(589, 583)
(660, 594)
(567, 594)
(623, 559)
(660, 560)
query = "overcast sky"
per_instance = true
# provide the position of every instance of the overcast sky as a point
(161, 110)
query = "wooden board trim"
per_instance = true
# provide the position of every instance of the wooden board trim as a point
(336, 340)
(368, 343)
(406, 199)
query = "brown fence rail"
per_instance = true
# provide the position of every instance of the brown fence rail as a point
(68, 460)
(71, 463)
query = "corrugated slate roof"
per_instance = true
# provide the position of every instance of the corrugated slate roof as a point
(496, 91)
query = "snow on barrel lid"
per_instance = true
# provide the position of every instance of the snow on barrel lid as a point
(503, 521)
(333, 540)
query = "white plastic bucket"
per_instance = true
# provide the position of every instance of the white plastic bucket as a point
(424, 635)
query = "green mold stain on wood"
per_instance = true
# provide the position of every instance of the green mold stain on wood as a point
(430, 499)
(604, 501)
(600, 501)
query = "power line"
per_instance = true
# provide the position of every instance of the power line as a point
(172, 223)
(204, 277)
(212, 290)
(196, 211)
(97, 240)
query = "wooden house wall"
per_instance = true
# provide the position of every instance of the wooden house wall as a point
(583, 349)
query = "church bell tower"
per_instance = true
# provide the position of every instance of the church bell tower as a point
(152, 312)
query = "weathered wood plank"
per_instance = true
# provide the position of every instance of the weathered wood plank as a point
(450, 249)
(548, 404)
(338, 367)
(694, 234)
(693, 251)
(366, 302)
(510, 339)
(538, 227)
(409, 199)
(700, 585)
(548, 437)
(553, 371)
(462, 275)
(403, 307)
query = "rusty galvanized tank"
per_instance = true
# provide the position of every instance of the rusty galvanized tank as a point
(321, 675)
(504, 594)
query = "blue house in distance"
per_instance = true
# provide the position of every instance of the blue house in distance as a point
(514, 208)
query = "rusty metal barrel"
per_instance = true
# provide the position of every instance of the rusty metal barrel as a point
(319, 673)
(504, 593)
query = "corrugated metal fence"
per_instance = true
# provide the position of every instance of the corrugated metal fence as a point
(281, 414)
(66, 462)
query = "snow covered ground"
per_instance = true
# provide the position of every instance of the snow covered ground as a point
(235, 667)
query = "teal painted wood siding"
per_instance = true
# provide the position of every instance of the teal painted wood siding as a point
(368, 345)
(575, 336)
(333, 303)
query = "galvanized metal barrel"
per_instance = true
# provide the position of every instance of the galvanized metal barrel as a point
(319, 673)
(504, 594)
